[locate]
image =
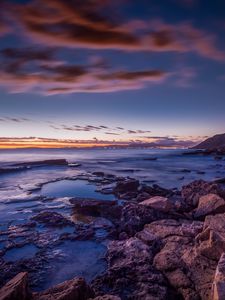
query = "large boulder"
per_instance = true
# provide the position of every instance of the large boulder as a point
(69, 290)
(159, 203)
(192, 192)
(175, 238)
(209, 204)
(134, 216)
(218, 289)
(130, 273)
(127, 185)
(201, 259)
(16, 289)
(211, 241)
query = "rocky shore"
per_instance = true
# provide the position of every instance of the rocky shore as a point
(161, 244)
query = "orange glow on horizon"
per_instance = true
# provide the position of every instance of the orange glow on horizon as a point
(12, 143)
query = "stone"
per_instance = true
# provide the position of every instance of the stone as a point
(211, 241)
(51, 162)
(107, 297)
(69, 290)
(134, 216)
(218, 288)
(128, 185)
(193, 191)
(209, 204)
(159, 203)
(16, 288)
(52, 219)
(130, 273)
(96, 207)
(156, 190)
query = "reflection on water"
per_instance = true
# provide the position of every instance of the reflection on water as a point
(73, 188)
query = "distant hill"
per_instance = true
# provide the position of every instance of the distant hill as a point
(215, 142)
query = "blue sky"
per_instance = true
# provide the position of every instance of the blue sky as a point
(151, 66)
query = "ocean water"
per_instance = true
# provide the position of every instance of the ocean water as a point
(170, 169)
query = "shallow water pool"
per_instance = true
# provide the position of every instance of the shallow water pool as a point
(25, 252)
(73, 188)
(75, 258)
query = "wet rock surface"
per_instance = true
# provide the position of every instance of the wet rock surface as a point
(52, 219)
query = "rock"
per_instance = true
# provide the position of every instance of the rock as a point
(181, 228)
(212, 239)
(209, 204)
(175, 239)
(218, 289)
(53, 162)
(156, 190)
(130, 274)
(92, 207)
(148, 238)
(193, 191)
(135, 216)
(69, 290)
(52, 219)
(128, 185)
(101, 223)
(99, 174)
(142, 196)
(107, 297)
(16, 288)
(158, 203)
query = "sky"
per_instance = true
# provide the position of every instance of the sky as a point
(102, 72)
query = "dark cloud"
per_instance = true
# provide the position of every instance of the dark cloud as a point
(90, 24)
(101, 128)
(138, 131)
(72, 23)
(28, 54)
(111, 133)
(12, 119)
(38, 71)
(120, 128)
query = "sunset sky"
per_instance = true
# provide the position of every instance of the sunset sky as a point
(111, 71)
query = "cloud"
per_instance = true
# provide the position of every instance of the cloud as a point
(12, 119)
(72, 24)
(111, 133)
(36, 70)
(39, 142)
(138, 131)
(28, 54)
(97, 25)
(94, 128)
(185, 77)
